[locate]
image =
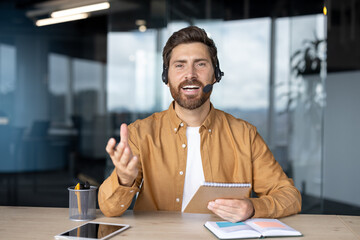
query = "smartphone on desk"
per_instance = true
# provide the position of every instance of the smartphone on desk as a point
(93, 230)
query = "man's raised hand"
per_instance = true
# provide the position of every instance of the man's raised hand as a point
(123, 159)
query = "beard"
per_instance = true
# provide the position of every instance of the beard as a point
(189, 102)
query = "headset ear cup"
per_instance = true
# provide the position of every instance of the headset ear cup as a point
(164, 75)
(218, 72)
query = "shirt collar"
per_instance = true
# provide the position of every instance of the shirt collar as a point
(177, 123)
(210, 119)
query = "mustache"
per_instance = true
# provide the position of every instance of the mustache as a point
(191, 82)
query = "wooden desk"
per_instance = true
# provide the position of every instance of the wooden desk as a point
(44, 223)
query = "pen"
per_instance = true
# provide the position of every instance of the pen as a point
(85, 200)
(77, 187)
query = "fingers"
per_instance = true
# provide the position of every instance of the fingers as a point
(228, 203)
(128, 174)
(233, 210)
(223, 205)
(116, 152)
(124, 135)
(133, 163)
(223, 211)
(223, 214)
(110, 147)
(123, 154)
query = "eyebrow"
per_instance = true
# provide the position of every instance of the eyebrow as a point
(196, 60)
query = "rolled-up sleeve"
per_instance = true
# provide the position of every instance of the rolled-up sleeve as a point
(113, 198)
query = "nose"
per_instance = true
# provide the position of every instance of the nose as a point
(191, 73)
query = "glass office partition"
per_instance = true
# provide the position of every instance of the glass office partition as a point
(51, 79)
(8, 135)
(281, 91)
(89, 106)
(300, 101)
(60, 90)
(131, 71)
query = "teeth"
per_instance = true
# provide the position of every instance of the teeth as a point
(190, 87)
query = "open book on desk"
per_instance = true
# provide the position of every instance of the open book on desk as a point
(211, 191)
(251, 228)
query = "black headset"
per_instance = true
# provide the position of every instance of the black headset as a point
(218, 73)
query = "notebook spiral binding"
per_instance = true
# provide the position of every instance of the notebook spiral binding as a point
(235, 185)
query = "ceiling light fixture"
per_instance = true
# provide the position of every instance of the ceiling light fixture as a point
(48, 21)
(83, 9)
(142, 28)
(140, 22)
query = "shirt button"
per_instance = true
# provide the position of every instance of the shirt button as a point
(181, 124)
(209, 130)
(177, 200)
(175, 129)
(131, 191)
(122, 205)
(184, 145)
(181, 172)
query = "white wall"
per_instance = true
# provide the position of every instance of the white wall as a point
(342, 138)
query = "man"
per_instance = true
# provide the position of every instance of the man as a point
(168, 154)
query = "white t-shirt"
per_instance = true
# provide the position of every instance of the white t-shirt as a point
(194, 174)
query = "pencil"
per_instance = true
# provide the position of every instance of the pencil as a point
(77, 187)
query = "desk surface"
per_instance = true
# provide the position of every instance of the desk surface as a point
(44, 223)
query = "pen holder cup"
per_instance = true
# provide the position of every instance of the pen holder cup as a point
(82, 204)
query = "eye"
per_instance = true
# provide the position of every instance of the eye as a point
(179, 65)
(201, 64)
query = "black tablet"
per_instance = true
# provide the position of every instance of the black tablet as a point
(93, 230)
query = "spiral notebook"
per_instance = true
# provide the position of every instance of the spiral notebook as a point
(209, 191)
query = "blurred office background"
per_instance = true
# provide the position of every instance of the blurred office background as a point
(292, 68)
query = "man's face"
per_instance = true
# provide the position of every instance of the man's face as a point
(190, 70)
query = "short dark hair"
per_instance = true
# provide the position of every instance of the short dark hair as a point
(189, 34)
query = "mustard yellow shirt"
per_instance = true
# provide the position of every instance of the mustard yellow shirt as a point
(231, 151)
